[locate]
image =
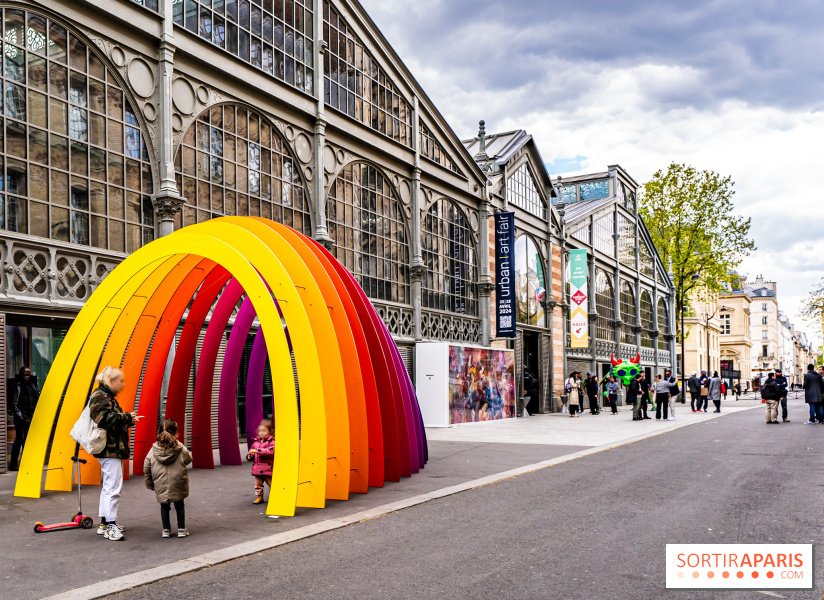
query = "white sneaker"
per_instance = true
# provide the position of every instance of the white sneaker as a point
(670, 418)
(101, 529)
(182, 533)
(166, 533)
(113, 533)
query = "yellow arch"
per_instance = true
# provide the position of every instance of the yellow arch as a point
(111, 298)
(335, 409)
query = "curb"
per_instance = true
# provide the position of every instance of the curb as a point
(216, 557)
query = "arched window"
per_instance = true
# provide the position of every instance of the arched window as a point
(627, 313)
(530, 291)
(76, 165)
(605, 305)
(646, 320)
(663, 324)
(367, 225)
(231, 161)
(451, 281)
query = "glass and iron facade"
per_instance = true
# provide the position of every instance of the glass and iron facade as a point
(109, 140)
(631, 287)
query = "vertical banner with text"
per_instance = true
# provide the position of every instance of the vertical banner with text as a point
(505, 274)
(579, 305)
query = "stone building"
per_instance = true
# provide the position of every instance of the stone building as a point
(631, 292)
(736, 345)
(764, 326)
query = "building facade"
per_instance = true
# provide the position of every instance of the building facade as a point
(764, 327)
(736, 345)
(125, 121)
(519, 182)
(631, 295)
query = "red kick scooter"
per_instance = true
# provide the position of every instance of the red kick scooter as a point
(79, 520)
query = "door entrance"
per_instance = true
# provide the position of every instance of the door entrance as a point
(532, 373)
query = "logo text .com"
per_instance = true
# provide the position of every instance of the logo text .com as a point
(740, 566)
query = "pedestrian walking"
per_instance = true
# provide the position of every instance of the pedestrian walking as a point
(263, 453)
(704, 392)
(781, 384)
(592, 394)
(737, 391)
(633, 398)
(23, 401)
(715, 391)
(694, 386)
(812, 395)
(771, 395)
(107, 414)
(646, 397)
(663, 393)
(612, 394)
(165, 472)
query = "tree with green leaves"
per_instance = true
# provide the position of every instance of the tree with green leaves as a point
(812, 308)
(690, 216)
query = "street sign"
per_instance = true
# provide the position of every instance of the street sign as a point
(579, 315)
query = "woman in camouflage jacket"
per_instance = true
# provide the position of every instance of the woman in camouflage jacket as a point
(107, 414)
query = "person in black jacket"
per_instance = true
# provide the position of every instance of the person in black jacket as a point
(592, 394)
(812, 395)
(781, 384)
(23, 401)
(771, 394)
(645, 397)
(694, 386)
(633, 397)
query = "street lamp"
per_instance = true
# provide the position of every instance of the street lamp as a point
(695, 278)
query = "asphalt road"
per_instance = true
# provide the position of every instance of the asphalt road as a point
(591, 528)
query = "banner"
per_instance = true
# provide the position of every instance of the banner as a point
(505, 274)
(579, 305)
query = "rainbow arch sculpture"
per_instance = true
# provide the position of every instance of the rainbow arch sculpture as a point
(359, 423)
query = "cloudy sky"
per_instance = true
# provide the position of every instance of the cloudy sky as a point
(736, 86)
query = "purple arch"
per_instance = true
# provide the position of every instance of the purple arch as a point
(202, 457)
(254, 386)
(227, 434)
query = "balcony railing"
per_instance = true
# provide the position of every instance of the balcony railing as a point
(40, 272)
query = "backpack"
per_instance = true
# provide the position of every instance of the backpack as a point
(86, 433)
(765, 393)
(568, 386)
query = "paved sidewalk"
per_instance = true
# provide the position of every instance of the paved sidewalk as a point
(588, 430)
(220, 514)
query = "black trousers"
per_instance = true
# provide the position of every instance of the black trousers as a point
(180, 509)
(661, 402)
(694, 399)
(717, 405)
(613, 403)
(784, 408)
(703, 402)
(593, 405)
(21, 431)
(644, 404)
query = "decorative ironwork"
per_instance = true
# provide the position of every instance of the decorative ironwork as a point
(450, 327)
(399, 320)
(51, 272)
